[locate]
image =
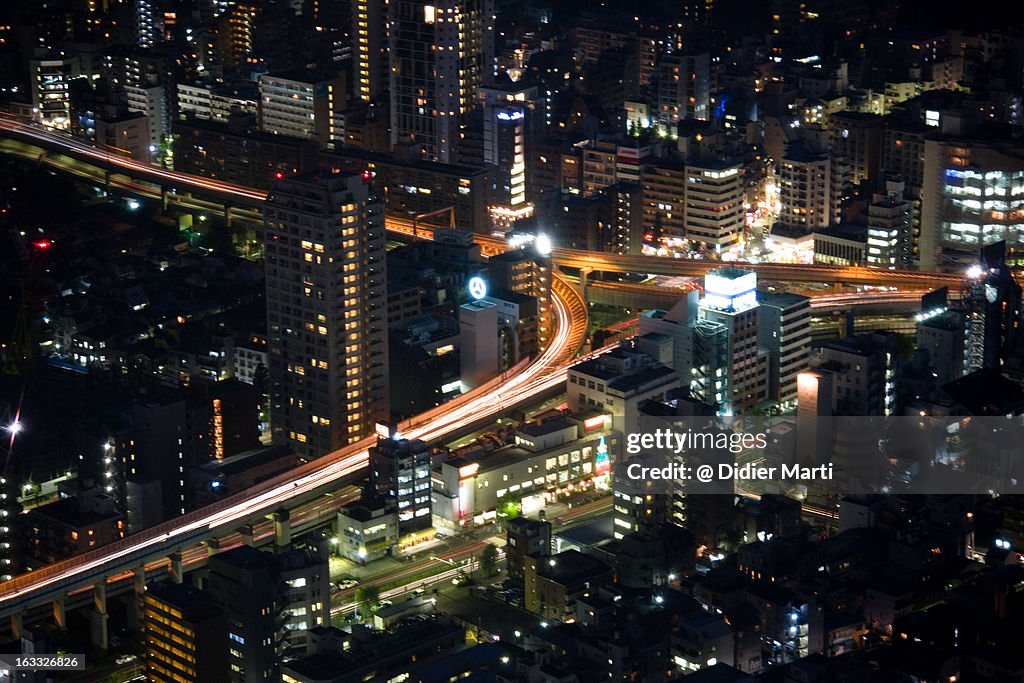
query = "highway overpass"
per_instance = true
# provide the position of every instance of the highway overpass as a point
(64, 152)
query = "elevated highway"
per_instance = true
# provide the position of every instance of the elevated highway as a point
(64, 152)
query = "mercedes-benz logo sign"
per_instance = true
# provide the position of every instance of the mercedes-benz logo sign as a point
(477, 287)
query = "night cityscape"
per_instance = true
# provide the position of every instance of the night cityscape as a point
(549, 341)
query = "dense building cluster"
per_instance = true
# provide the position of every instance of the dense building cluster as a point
(326, 327)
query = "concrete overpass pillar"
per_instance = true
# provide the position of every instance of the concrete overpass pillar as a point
(227, 215)
(247, 534)
(212, 546)
(17, 625)
(60, 615)
(177, 568)
(584, 275)
(99, 628)
(282, 529)
(135, 607)
(164, 197)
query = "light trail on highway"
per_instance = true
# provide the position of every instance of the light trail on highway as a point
(544, 374)
(113, 158)
(572, 258)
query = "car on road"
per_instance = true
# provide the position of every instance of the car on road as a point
(125, 659)
(419, 591)
(345, 584)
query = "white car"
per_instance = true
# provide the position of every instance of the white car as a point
(346, 584)
(126, 659)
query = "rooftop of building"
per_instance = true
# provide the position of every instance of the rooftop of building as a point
(800, 153)
(588, 535)
(247, 460)
(386, 158)
(525, 525)
(185, 597)
(571, 566)
(317, 75)
(782, 299)
(986, 392)
(478, 305)
(73, 513)
(535, 429)
(481, 663)
(638, 379)
(847, 231)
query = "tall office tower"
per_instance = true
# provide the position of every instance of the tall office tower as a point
(730, 298)
(699, 347)
(326, 311)
(184, 635)
(271, 601)
(784, 330)
(370, 28)
(684, 88)
(973, 194)
(511, 125)
(304, 104)
(890, 229)
(440, 53)
(400, 472)
(714, 203)
(992, 310)
(527, 271)
(805, 190)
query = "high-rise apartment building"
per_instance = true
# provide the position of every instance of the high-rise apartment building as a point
(50, 81)
(185, 635)
(440, 53)
(234, 41)
(890, 238)
(527, 271)
(511, 124)
(684, 88)
(805, 190)
(326, 311)
(856, 138)
(400, 472)
(993, 304)
(369, 48)
(304, 104)
(699, 347)
(730, 298)
(146, 26)
(713, 212)
(784, 331)
(271, 601)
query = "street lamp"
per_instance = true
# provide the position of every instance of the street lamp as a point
(14, 428)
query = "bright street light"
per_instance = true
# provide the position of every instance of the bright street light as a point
(543, 245)
(15, 427)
